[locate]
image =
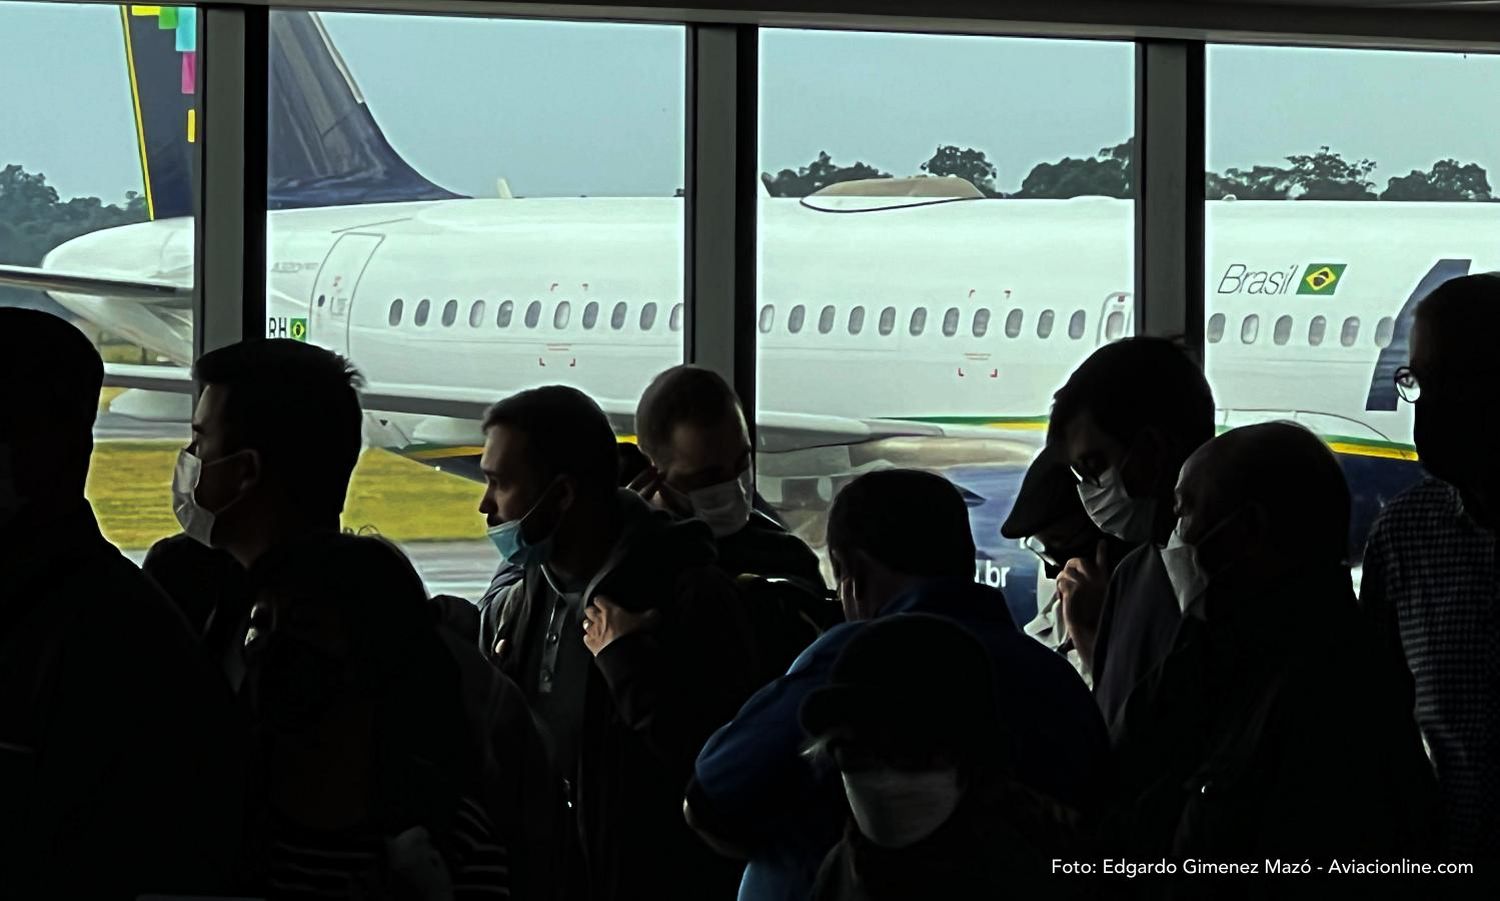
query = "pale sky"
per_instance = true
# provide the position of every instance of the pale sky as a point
(568, 109)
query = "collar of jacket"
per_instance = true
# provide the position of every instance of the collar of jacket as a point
(955, 598)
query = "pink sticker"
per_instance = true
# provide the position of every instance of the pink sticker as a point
(189, 72)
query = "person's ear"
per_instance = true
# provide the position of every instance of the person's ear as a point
(251, 471)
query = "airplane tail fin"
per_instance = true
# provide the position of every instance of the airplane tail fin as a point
(324, 146)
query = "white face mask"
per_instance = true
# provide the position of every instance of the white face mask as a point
(1186, 574)
(10, 501)
(725, 507)
(196, 521)
(896, 809)
(1114, 511)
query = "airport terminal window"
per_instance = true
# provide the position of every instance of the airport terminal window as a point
(675, 320)
(590, 314)
(856, 320)
(1283, 331)
(648, 317)
(507, 310)
(1385, 331)
(1250, 329)
(73, 198)
(450, 313)
(1215, 328)
(890, 108)
(562, 315)
(918, 321)
(618, 316)
(1350, 332)
(476, 314)
(533, 313)
(767, 319)
(1044, 323)
(394, 319)
(1316, 330)
(825, 320)
(1078, 325)
(794, 319)
(424, 309)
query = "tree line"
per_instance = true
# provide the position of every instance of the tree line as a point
(1321, 175)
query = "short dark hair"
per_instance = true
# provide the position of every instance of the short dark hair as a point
(683, 394)
(48, 367)
(1467, 309)
(297, 405)
(1291, 474)
(1135, 384)
(567, 434)
(909, 521)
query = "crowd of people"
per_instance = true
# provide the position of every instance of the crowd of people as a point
(659, 697)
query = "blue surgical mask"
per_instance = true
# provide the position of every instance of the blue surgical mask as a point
(509, 538)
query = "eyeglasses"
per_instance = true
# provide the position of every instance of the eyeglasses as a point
(1408, 385)
(1093, 481)
(1035, 545)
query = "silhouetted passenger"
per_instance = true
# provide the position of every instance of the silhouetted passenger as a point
(629, 643)
(1432, 569)
(1049, 519)
(276, 436)
(900, 543)
(910, 719)
(1125, 421)
(121, 760)
(373, 782)
(1274, 729)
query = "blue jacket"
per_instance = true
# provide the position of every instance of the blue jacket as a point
(753, 787)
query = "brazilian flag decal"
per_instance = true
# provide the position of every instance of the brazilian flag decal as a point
(1321, 278)
(298, 330)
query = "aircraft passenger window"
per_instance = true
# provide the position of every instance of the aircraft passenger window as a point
(856, 320)
(617, 317)
(1250, 329)
(1385, 331)
(794, 319)
(1013, 322)
(648, 317)
(450, 313)
(502, 318)
(887, 320)
(1044, 324)
(825, 320)
(981, 324)
(1215, 328)
(533, 313)
(476, 314)
(423, 310)
(396, 307)
(918, 321)
(1283, 331)
(950, 322)
(561, 315)
(590, 314)
(1078, 324)
(1316, 330)
(767, 319)
(1114, 326)
(1350, 333)
(322, 299)
(674, 322)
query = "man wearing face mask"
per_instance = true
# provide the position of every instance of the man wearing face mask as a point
(1125, 421)
(1273, 728)
(121, 758)
(900, 543)
(1432, 562)
(629, 644)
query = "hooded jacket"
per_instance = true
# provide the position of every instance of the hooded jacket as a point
(649, 700)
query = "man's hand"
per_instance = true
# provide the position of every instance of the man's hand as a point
(1080, 588)
(605, 622)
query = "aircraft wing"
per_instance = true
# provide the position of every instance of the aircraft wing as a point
(170, 294)
(173, 379)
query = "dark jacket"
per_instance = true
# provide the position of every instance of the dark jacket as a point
(764, 548)
(650, 700)
(1136, 627)
(121, 755)
(212, 590)
(753, 787)
(1274, 729)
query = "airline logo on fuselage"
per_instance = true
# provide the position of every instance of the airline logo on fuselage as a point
(1320, 279)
